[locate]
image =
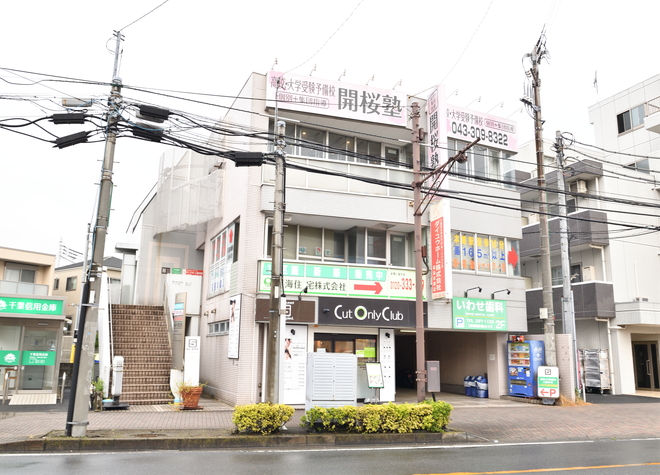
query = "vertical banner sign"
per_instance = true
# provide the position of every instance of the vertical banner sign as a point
(438, 250)
(192, 357)
(386, 358)
(178, 329)
(437, 150)
(234, 325)
(294, 364)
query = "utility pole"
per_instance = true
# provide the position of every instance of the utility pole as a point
(277, 324)
(537, 54)
(419, 288)
(568, 313)
(76, 425)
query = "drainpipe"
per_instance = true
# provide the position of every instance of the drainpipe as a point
(609, 344)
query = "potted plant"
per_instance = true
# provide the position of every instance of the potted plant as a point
(97, 395)
(190, 394)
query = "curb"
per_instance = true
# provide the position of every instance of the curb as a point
(133, 444)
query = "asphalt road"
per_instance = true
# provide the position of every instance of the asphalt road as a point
(616, 457)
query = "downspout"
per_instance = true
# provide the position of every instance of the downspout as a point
(263, 363)
(609, 344)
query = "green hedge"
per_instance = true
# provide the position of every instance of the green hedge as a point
(263, 418)
(429, 415)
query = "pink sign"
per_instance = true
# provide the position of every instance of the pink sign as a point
(337, 99)
(495, 132)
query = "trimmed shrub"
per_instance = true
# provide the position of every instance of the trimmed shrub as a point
(432, 416)
(263, 418)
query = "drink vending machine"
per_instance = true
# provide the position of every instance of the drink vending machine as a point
(524, 359)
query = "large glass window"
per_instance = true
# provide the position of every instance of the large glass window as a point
(225, 253)
(312, 142)
(481, 162)
(339, 145)
(310, 243)
(376, 247)
(370, 152)
(630, 119)
(397, 250)
(485, 254)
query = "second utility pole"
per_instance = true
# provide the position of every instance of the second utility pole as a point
(546, 270)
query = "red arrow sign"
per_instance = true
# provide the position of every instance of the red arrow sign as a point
(376, 287)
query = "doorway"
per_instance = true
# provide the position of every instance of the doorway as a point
(646, 365)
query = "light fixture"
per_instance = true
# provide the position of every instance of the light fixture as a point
(466, 292)
(455, 93)
(213, 311)
(326, 310)
(492, 296)
(206, 314)
(397, 84)
(342, 75)
(517, 110)
(312, 70)
(302, 292)
(372, 78)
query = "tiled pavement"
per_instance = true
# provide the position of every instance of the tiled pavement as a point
(491, 419)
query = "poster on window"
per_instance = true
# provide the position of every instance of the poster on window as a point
(222, 258)
(294, 364)
(234, 325)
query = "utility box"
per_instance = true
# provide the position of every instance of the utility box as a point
(433, 376)
(331, 380)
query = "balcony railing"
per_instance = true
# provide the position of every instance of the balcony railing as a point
(23, 288)
(590, 299)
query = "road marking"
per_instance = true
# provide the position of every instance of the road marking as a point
(560, 469)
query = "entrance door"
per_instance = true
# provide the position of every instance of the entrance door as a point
(646, 365)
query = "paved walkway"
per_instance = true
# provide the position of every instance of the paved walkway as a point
(490, 419)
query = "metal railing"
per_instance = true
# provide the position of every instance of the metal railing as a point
(652, 106)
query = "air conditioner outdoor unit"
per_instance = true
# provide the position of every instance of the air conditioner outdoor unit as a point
(533, 218)
(588, 273)
(581, 186)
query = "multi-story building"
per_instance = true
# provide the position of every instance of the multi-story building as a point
(31, 324)
(613, 233)
(348, 238)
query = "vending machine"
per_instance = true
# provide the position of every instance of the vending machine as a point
(524, 359)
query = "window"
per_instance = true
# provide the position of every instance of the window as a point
(224, 253)
(630, 119)
(339, 144)
(576, 274)
(218, 328)
(19, 273)
(372, 149)
(312, 142)
(56, 285)
(482, 162)
(485, 254)
(306, 243)
(71, 283)
(640, 166)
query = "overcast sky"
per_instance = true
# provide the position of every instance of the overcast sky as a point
(476, 47)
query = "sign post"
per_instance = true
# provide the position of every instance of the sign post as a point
(548, 384)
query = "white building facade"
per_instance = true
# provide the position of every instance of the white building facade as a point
(348, 241)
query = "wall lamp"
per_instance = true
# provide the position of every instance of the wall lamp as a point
(326, 310)
(302, 292)
(466, 292)
(492, 296)
(213, 311)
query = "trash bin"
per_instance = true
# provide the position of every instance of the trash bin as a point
(481, 386)
(466, 384)
(472, 386)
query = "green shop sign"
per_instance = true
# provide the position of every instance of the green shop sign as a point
(38, 358)
(31, 306)
(479, 314)
(342, 280)
(27, 358)
(9, 358)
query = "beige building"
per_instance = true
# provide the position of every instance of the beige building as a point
(31, 323)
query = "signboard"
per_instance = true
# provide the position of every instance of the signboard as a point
(336, 98)
(234, 326)
(386, 356)
(9, 358)
(297, 311)
(440, 249)
(178, 329)
(192, 359)
(367, 313)
(222, 259)
(374, 375)
(437, 150)
(38, 358)
(178, 271)
(479, 314)
(495, 132)
(31, 306)
(342, 280)
(548, 382)
(294, 364)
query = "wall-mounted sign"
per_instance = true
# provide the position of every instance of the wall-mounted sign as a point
(38, 358)
(297, 311)
(479, 314)
(9, 358)
(234, 325)
(440, 249)
(468, 125)
(336, 98)
(367, 312)
(31, 306)
(342, 280)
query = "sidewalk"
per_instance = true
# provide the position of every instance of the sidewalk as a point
(484, 420)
